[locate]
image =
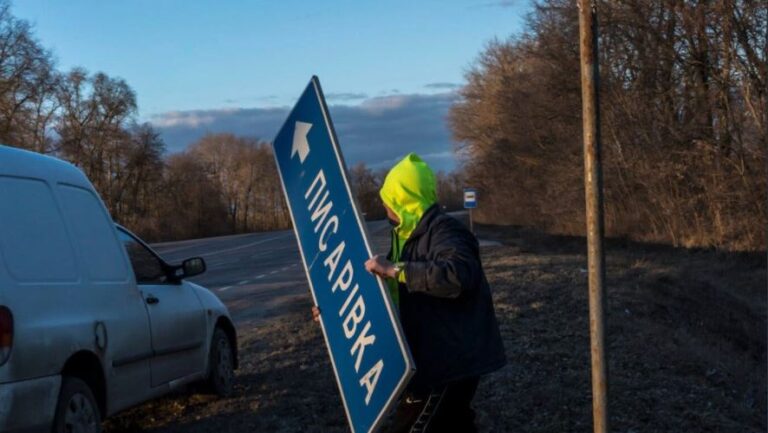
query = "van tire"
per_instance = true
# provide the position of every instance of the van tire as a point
(221, 364)
(76, 407)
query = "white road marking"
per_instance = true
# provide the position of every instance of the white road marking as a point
(244, 246)
(242, 282)
(221, 289)
(260, 277)
(274, 272)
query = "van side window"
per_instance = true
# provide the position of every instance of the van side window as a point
(33, 237)
(94, 234)
(146, 266)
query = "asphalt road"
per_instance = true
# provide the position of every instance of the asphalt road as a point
(257, 275)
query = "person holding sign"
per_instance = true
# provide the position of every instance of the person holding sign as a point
(437, 282)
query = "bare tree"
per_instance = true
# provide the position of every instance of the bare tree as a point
(28, 84)
(365, 186)
(245, 172)
(683, 106)
(190, 204)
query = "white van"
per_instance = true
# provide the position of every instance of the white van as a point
(92, 321)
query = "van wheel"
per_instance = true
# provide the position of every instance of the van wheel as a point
(76, 410)
(221, 366)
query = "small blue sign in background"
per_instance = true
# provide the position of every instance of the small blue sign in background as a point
(470, 198)
(310, 164)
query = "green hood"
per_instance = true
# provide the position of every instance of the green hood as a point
(409, 190)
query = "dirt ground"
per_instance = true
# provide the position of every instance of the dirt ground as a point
(686, 339)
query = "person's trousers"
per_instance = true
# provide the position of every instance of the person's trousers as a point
(446, 409)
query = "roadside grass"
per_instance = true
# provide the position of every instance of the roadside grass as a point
(686, 339)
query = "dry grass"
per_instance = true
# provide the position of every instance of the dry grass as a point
(686, 340)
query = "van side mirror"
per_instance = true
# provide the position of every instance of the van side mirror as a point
(193, 266)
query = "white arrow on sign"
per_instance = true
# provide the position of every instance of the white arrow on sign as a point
(300, 143)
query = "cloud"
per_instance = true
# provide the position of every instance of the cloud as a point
(350, 96)
(265, 98)
(378, 131)
(499, 4)
(180, 119)
(179, 129)
(381, 104)
(443, 86)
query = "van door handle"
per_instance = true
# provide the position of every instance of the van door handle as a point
(151, 299)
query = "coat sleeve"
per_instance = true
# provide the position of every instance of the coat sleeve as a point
(452, 264)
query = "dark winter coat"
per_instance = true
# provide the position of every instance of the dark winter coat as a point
(446, 308)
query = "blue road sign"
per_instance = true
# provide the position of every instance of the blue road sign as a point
(370, 357)
(470, 198)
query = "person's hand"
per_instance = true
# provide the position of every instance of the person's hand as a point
(316, 313)
(380, 266)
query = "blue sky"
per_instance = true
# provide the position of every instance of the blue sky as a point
(208, 66)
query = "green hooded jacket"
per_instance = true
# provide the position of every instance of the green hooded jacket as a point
(409, 190)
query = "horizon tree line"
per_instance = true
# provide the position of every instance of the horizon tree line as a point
(220, 184)
(683, 106)
(684, 126)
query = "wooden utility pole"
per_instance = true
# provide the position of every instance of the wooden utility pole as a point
(593, 185)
